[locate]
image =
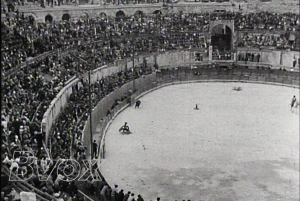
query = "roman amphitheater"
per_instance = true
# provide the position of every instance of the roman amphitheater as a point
(218, 82)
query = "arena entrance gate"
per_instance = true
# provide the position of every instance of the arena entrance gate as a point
(222, 39)
(66, 17)
(48, 19)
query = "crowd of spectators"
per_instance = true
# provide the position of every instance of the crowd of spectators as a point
(28, 94)
(275, 41)
(249, 57)
(54, 3)
(126, 2)
(23, 38)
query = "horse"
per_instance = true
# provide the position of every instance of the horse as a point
(137, 104)
(125, 129)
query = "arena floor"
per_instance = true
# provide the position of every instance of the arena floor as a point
(240, 145)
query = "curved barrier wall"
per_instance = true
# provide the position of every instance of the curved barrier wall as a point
(274, 58)
(60, 101)
(170, 59)
(154, 81)
(181, 75)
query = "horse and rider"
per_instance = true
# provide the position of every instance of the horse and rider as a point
(125, 129)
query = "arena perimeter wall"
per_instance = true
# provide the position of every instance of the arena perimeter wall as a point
(157, 80)
(61, 99)
(170, 59)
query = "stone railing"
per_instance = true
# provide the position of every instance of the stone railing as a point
(274, 58)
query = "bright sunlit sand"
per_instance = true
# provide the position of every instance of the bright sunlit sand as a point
(239, 145)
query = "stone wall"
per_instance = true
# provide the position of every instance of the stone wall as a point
(274, 58)
(76, 12)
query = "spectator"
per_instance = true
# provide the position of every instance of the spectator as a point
(114, 193)
(131, 197)
(140, 198)
(28, 92)
(126, 196)
(103, 193)
(120, 196)
(95, 148)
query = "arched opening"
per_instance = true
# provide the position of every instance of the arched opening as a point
(221, 42)
(84, 16)
(31, 19)
(139, 13)
(102, 15)
(48, 19)
(120, 14)
(66, 17)
(157, 12)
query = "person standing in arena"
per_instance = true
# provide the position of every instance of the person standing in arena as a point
(124, 128)
(293, 102)
(137, 104)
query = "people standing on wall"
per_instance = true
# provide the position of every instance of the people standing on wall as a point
(258, 58)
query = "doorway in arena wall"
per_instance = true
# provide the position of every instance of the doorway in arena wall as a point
(120, 15)
(48, 19)
(221, 42)
(66, 17)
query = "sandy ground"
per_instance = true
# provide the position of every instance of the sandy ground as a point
(240, 145)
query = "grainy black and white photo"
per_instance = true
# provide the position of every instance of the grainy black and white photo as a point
(150, 100)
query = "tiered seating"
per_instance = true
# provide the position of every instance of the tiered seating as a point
(29, 93)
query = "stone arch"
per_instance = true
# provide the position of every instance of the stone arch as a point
(66, 17)
(157, 12)
(139, 13)
(31, 15)
(221, 39)
(49, 18)
(228, 23)
(221, 29)
(102, 15)
(84, 15)
(31, 19)
(120, 14)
